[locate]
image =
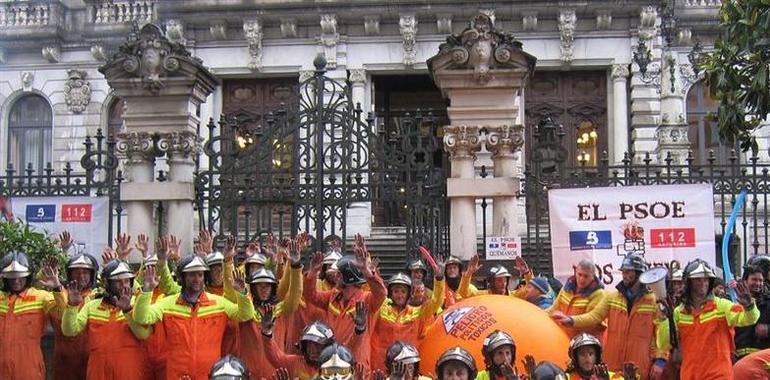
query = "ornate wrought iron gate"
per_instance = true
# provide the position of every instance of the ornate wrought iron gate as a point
(316, 167)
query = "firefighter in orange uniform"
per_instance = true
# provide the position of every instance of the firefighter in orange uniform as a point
(314, 338)
(340, 304)
(115, 339)
(581, 304)
(706, 325)
(194, 321)
(585, 353)
(398, 321)
(631, 315)
(23, 316)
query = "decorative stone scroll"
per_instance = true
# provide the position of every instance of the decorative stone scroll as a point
(462, 141)
(504, 140)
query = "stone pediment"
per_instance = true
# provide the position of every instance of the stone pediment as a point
(483, 49)
(149, 56)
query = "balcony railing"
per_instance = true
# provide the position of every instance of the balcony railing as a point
(25, 14)
(112, 12)
(702, 3)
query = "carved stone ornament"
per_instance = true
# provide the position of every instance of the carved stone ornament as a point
(252, 30)
(407, 25)
(462, 142)
(218, 30)
(27, 78)
(567, 24)
(444, 23)
(482, 48)
(305, 75)
(357, 75)
(673, 134)
(179, 143)
(77, 91)
(98, 52)
(175, 31)
(619, 72)
(504, 140)
(647, 23)
(329, 39)
(529, 21)
(372, 25)
(149, 55)
(289, 27)
(603, 20)
(136, 146)
(52, 53)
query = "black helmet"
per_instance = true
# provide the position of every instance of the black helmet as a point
(349, 271)
(85, 261)
(494, 341)
(317, 332)
(229, 368)
(15, 265)
(582, 340)
(548, 371)
(458, 354)
(761, 261)
(401, 352)
(336, 362)
(633, 262)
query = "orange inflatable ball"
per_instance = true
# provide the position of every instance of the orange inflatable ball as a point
(469, 321)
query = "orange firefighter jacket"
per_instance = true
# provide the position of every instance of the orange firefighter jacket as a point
(706, 337)
(613, 376)
(70, 353)
(467, 290)
(631, 333)
(391, 325)
(340, 314)
(194, 333)
(754, 366)
(586, 307)
(115, 347)
(22, 322)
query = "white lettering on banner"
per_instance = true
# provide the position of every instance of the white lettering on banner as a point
(503, 248)
(669, 225)
(86, 218)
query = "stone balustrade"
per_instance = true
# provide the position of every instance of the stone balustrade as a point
(111, 12)
(25, 14)
(702, 3)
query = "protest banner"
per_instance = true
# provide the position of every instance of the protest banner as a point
(86, 218)
(668, 225)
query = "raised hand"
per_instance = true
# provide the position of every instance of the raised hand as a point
(150, 280)
(65, 241)
(142, 244)
(109, 254)
(529, 364)
(601, 371)
(317, 262)
(360, 373)
(239, 281)
(270, 247)
(521, 265)
(123, 246)
(629, 371)
(561, 318)
(123, 301)
(303, 241)
(360, 318)
(474, 265)
(206, 241)
(253, 249)
(230, 243)
(267, 319)
(74, 298)
(378, 375)
(363, 256)
(280, 374)
(161, 249)
(508, 371)
(744, 293)
(51, 273)
(174, 250)
(438, 271)
(295, 249)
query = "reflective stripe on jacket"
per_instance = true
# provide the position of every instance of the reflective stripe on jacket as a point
(22, 322)
(706, 337)
(631, 335)
(587, 310)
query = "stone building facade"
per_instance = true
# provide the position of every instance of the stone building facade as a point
(52, 94)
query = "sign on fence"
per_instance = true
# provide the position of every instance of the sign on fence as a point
(86, 218)
(668, 224)
(503, 248)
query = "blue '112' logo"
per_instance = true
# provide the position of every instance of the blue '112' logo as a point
(583, 240)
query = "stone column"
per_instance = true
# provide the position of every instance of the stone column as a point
(483, 71)
(462, 143)
(672, 131)
(620, 112)
(162, 86)
(504, 141)
(359, 217)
